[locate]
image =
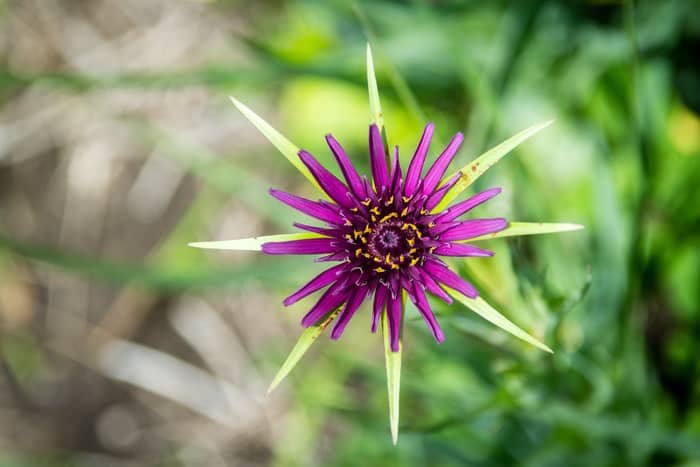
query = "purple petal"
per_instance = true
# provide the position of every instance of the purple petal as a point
(461, 249)
(395, 171)
(368, 189)
(329, 301)
(435, 198)
(377, 158)
(329, 182)
(307, 246)
(379, 301)
(394, 312)
(394, 283)
(441, 227)
(423, 306)
(350, 308)
(317, 283)
(352, 280)
(318, 230)
(443, 274)
(339, 256)
(407, 285)
(460, 208)
(416, 166)
(433, 287)
(349, 172)
(474, 228)
(432, 178)
(308, 207)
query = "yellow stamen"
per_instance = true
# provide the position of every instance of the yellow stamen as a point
(419, 234)
(431, 224)
(390, 200)
(357, 233)
(410, 241)
(366, 202)
(394, 266)
(358, 251)
(404, 226)
(401, 259)
(366, 255)
(423, 212)
(374, 218)
(404, 212)
(375, 210)
(367, 229)
(363, 240)
(432, 248)
(388, 216)
(412, 250)
(380, 269)
(377, 259)
(387, 259)
(406, 199)
(354, 209)
(414, 261)
(347, 222)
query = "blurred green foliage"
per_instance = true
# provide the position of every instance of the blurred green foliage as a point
(617, 302)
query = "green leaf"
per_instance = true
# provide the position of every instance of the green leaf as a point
(375, 107)
(470, 172)
(286, 147)
(482, 308)
(252, 243)
(393, 379)
(307, 338)
(517, 229)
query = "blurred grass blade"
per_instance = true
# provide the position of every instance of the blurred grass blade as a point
(252, 243)
(482, 308)
(517, 229)
(375, 107)
(393, 379)
(224, 176)
(470, 172)
(146, 275)
(286, 147)
(307, 338)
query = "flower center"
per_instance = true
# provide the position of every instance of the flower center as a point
(386, 237)
(388, 240)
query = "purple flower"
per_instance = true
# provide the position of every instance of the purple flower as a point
(385, 235)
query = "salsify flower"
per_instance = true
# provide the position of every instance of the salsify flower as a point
(385, 234)
(388, 237)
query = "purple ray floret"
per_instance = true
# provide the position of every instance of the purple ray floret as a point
(385, 235)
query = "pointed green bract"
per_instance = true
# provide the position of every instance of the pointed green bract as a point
(482, 308)
(286, 147)
(252, 243)
(393, 359)
(307, 338)
(375, 108)
(470, 172)
(517, 229)
(393, 379)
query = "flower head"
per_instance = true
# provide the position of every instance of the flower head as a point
(388, 236)
(385, 234)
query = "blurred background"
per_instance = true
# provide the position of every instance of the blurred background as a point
(121, 346)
